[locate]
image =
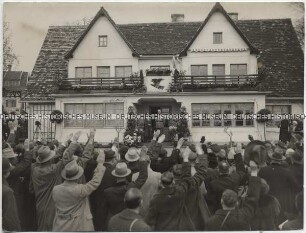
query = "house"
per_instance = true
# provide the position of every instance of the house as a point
(225, 65)
(14, 85)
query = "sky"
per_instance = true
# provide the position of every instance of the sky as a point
(29, 21)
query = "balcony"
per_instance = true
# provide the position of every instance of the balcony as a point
(224, 82)
(105, 83)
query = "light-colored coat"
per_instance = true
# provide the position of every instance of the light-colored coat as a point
(72, 203)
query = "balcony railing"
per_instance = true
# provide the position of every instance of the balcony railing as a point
(212, 81)
(105, 83)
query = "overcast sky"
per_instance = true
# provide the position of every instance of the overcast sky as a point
(29, 22)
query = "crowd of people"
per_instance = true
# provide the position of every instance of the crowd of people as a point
(194, 186)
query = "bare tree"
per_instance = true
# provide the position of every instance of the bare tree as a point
(9, 56)
(299, 24)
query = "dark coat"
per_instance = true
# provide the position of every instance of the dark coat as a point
(282, 184)
(98, 201)
(239, 218)
(266, 215)
(114, 196)
(128, 220)
(10, 219)
(225, 181)
(167, 209)
(296, 224)
(298, 172)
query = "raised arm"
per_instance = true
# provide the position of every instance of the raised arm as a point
(143, 171)
(12, 136)
(154, 147)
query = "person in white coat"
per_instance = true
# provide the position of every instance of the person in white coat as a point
(71, 198)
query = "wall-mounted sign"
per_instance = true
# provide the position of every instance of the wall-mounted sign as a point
(218, 50)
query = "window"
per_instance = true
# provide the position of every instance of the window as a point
(199, 70)
(238, 69)
(11, 103)
(219, 72)
(92, 109)
(11, 83)
(83, 72)
(123, 71)
(217, 38)
(102, 41)
(277, 109)
(103, 71)
(220, 115)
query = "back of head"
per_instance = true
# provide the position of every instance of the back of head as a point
(133, 198)
(223, 167)
(264, 187)
(167, 178)
(229, 198)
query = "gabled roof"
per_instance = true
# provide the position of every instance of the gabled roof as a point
(218, 8)
(281, 53)
(20, 76)
(101, 12)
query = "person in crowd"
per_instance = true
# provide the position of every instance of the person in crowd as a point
(296, 223)
(226, 180)
(284, 134)
(167, 209)
(267, 212)
(159, 122)
(231, 217)
(71, 198)
(130, 219)
(10, 218)
(44, 176)
(281, 181)
(114, 196)
(98, 201)
(297, 169)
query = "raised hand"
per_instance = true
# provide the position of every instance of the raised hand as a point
(68, 137)
(143, 154)
(180, 143)
(254, 168)
(156, 134)
(76, 136)
(101, 157)
(26, 145)
(161, 138)
(251, 138)
(11, 126)
(92, 133)
(185, 154)
(199, 149)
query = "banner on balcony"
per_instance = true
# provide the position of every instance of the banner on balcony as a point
(157, 83)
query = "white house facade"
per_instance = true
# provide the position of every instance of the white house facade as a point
(219, 66)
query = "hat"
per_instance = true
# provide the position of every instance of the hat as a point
(177, 170)
(132, 154)
(167, 178)
(109, 154)
(277, 155)
(192, 156)
(72, 171)
(121, 170)
(289, 152)
(6, 165)
(8, 153)
(19, 149)
(44, 154)
(297, 158)
(215, 148)
(222, 154)
(229, 198)
(223, 167)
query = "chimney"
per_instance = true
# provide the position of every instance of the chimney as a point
(177, 18)
(9, 67)
(233, 15)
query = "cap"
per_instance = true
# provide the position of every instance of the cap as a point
(229, 198)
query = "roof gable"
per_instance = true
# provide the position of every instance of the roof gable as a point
(102, 12)
(219, 8)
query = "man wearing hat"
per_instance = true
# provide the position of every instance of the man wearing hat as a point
(167, 210)
(232, 218)
(10, 218)
(44, 176)
(226, 180)
(98, 202)
(71, 198)
(281, 181)
(130, 219)
(114, 196)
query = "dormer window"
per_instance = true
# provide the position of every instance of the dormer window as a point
(217, 38)
(102, 41)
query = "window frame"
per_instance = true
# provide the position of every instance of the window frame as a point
(214, 37)
(84, 112)
(222, 109)
(123, 67)
(104, 42)
(103, 67)
(199, 65)
(239, 64)
(83, 67)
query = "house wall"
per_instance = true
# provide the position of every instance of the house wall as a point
(88, 53)
(18, 107)
(231, 40)
(214, 134)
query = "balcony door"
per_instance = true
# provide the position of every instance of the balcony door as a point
(219, 72)
(199, 70)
